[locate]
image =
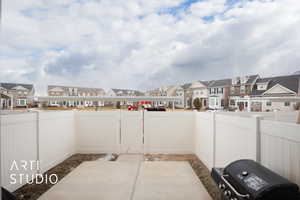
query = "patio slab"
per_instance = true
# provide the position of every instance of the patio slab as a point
(96, 180)
(163, 180)
(129, 180)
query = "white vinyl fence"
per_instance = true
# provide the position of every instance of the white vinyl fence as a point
(169, 132)
(205, 138)
(97, 132)
(222, 139)
(18, 144)
(56, 138)
(27, 137)
(216, 138)
(280, 148)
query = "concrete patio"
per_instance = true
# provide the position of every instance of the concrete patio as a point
(129, 178)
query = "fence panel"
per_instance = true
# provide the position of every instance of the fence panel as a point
(169, 132)
(236, 138)
(18, 145)
(98, 132)
(132, 131)
(204, 138)
(280, 147)
(56, 137)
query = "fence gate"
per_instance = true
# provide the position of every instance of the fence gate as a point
(131, 131)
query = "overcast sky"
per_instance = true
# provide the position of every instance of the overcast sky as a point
(143, 44)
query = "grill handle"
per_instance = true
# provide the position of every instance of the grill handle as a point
(233, 189)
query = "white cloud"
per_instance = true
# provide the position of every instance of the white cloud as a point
(133, 44)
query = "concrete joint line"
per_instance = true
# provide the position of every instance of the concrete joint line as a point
(135, 180)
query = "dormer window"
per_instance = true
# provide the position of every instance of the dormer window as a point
(262, 86)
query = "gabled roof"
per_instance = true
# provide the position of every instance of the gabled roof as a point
(127, 92)
(291, 82)
(14, 86)
(186, 85)
(206, 83)
(252, 79)
(220, 83)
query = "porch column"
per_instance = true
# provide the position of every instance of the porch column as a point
(249, 105)
(298, 120)
(173, 105)
(12, 102)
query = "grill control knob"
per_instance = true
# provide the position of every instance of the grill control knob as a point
(221, 186)
(227, 193)
(245, 173)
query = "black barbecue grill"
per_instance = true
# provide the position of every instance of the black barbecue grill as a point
(246, 179)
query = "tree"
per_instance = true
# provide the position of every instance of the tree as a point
(197, 103)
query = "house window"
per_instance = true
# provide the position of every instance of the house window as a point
(220, 90)
(232, 102)
(232, 90)
(222, 103)
(242, 89)
(287, 103)
(269, 103)
(22, 102)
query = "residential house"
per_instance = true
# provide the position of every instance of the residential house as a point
(281, 86)
(16, 95)
(123, 92)
(4, 99)
(199, 89)
(241, 87)
(219, 94)
(56, 90)
(187, 95)
(163, 91)
(180, 92)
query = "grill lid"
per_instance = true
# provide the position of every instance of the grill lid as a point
(249, 177)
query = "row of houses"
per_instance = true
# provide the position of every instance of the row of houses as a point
(22, 95)
(16, 95)
(236, 93)
(231, 94)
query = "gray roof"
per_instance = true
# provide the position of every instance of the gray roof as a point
(10, 86)
(206, 83)
(79, 88)
(252, 79)
(220, 83)
(291, 82)
(186, 85)
(128, 92)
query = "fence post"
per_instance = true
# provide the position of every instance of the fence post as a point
(120, 131)
(38, 140)
(214, 138)
(298, 118)
(258, 119)
(0, 156)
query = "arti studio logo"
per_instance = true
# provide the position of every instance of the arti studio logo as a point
(24, 172)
